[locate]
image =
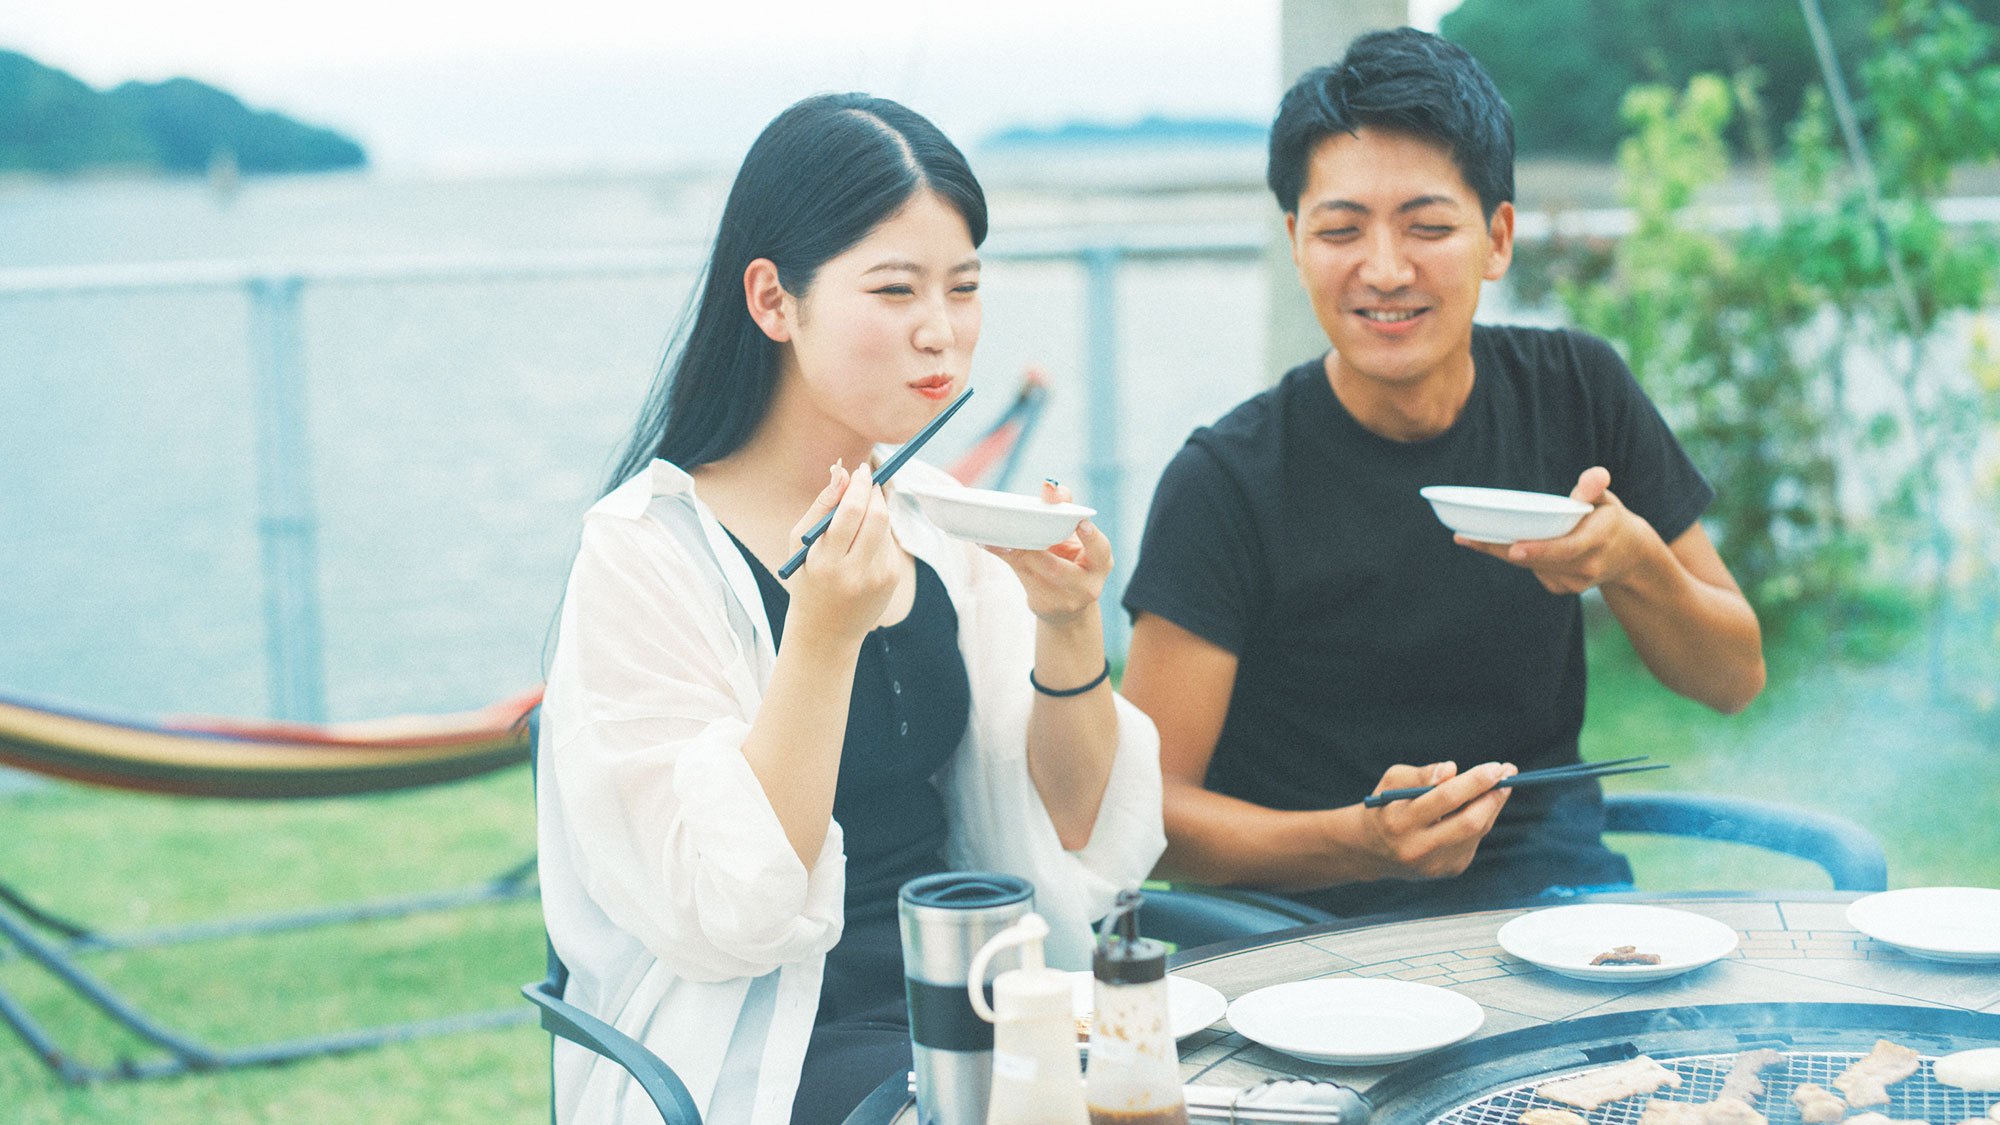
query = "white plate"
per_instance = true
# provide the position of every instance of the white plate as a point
(1564, 939)
(998, 519)
(1503, 515)
(1939, 923)
(1191, 1005)
(1355, 1022)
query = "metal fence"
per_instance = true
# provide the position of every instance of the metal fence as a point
(288, 519)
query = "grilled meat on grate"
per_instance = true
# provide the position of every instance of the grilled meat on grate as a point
(1817, 1104)
(1587, 1091)
(1790, 1082)
(1540, 1116)
(1867, 1082)
(1744, 1081)
(1722, 1111)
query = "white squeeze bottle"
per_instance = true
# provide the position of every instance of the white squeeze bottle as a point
(1135, 1074)
(1036, 1080)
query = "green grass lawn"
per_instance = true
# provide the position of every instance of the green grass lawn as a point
(1860, 740)
(120, 861)
(1865, 740)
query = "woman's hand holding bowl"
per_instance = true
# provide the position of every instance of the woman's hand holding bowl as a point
(1063, 582)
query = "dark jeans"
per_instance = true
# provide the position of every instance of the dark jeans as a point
(862, 1033)
(847, 1059)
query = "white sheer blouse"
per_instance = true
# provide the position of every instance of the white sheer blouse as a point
(669, 888)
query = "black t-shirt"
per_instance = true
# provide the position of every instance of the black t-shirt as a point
(1295, 538)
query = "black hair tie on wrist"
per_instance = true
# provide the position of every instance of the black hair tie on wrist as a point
(1101, 677)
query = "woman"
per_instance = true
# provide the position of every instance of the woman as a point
(738, 772)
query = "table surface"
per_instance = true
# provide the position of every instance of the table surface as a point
(1794, 947)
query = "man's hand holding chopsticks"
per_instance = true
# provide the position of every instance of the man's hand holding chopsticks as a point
(1435, 835)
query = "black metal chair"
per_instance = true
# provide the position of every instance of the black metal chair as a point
(564, 1020)
(567, 1021)
(1848, 852)
(1189, 914)
(670, 1095)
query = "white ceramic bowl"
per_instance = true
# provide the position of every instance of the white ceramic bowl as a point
(1503, 515)
(998, 519)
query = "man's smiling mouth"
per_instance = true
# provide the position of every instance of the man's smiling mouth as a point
(1389, 316)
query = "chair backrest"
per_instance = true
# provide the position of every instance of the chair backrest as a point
(1848, 852)
(1190, 915)
(669, 1094)
(564, 1020)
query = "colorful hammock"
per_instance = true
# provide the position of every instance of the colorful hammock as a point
(201, 756)
(214, 757)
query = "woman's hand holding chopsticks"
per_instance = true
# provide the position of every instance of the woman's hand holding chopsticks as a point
(851, 570)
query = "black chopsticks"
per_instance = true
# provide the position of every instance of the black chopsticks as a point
(1576, 772)
(882, 475)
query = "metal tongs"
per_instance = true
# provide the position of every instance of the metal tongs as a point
(1277, 1101)
(1291, 1101)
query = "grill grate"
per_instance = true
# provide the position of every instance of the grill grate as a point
(1919, 1097)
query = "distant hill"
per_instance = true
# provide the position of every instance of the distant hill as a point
(1147, 131)
(52, 122)
(1151, 154)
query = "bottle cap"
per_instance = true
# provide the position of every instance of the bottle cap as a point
(1123, 957)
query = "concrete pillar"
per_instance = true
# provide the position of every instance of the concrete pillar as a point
(1311, 33)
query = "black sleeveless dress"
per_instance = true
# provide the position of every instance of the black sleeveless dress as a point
(905, 717)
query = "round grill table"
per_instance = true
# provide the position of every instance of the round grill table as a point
(1796, 948)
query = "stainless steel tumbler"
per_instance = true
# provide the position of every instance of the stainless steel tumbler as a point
(945, 919)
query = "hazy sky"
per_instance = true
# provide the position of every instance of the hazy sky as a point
(432, 85)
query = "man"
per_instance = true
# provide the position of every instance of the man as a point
(1306, 632)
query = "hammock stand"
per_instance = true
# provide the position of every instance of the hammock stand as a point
(253, 759)
(228, 758)
(991, 460)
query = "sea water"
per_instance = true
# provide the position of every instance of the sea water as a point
(458, 426)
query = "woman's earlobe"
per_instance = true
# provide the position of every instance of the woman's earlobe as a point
(767, 300)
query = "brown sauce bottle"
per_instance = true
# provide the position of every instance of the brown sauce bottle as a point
(1134, 1074)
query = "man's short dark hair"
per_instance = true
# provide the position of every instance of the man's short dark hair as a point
(1403, 81)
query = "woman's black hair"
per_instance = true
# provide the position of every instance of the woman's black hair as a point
(1403, 81)
(820, 177)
